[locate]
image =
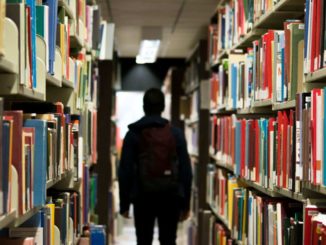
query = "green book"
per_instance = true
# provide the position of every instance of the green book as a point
(40, 20)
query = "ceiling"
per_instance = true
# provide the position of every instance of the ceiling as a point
(183, 23)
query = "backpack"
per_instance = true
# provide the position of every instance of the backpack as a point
(157, 160)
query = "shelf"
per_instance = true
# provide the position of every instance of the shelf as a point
(283, 10)
(247, 40)
(260, 188)
(222, 111)
(23, 218)
(219, 217)
(67, 83)
(289, 194)
(283, 106)
(194, 154)
(51, 80)
(31, 94)
(53, 182)
(316, 76)
(262, 103)
(315, 188)
(192, 122)
(69, 12)
(6, 66)
(221, 164)
(76, 42)
(7, 219)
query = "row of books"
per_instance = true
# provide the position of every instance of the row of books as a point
(315, 23)
(59, 222)
(253, 217)
(236, 18)
(271, 69)
(280, 151)
(50, 140)
(56, 27)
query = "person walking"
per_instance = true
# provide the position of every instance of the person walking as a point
(155, 173)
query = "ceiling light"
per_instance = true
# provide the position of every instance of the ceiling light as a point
(148, 51)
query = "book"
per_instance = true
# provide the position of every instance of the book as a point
(40, 157)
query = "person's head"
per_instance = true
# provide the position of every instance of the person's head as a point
(153, 102)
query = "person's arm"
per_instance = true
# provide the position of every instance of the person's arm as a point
(185, 170)
(126, 173)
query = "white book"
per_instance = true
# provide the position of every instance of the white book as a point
(279, 223)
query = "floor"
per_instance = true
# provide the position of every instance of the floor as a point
(128, 236)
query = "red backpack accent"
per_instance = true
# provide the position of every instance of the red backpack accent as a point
(158, 163)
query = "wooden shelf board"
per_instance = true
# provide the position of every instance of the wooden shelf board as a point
(192, 121)
(69, 12)
(25, 93)
(55, 181)
(275, 19)
(260, 188)
(244, 111)
(314, 188)
(247, 40)
(219, 217)
(51, 80)
(284, 105)
(194, 154)
(7, 219)
(221, 164)
(316, 76)
(67, 83)
(6, 66)
(289, 194)
(262, 103)
(23, 218)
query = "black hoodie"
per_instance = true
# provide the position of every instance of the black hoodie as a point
(127, 174)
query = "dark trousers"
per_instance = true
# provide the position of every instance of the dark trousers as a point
(164, 208)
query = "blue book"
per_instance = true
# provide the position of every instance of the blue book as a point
(40, 156)
(5, 162)
(238, 146)
(53, 19)
(98, 236)
(306, 29)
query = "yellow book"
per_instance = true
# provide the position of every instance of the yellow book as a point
(51, 206)
(232, 184)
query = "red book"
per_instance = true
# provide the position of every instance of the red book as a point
(17, 117)
(315, 93)
(285, 149)
(313, 39)
(243, 148)
(269, 69)
(309, 212)
(279, 147)
(317, 16)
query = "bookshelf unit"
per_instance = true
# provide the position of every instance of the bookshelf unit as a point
(49, 89)
(277, 174)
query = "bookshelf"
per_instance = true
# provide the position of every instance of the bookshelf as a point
(49, 85)
(253, 106)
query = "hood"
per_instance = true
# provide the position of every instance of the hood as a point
(148, 121)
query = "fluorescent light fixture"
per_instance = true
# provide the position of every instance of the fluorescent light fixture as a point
(148, 51)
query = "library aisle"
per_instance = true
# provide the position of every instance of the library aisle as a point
(243, 80)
